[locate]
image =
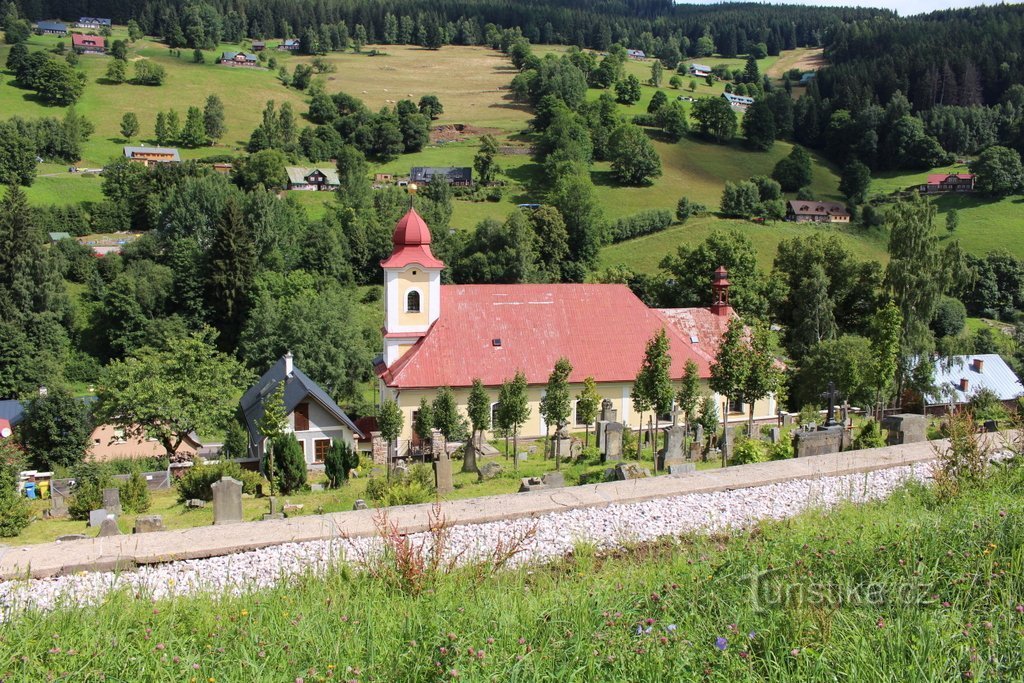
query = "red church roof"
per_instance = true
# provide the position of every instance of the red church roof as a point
(491, 331)
(411, 241)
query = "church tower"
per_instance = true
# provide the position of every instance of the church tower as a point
(412, 287)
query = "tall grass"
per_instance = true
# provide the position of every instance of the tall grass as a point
(919, 587)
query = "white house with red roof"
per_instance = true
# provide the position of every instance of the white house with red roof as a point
(948, 182)
(446, 335)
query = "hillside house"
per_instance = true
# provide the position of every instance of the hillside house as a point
(810, 211)
(740, 102)
(938, 183)
(446, 335)
(301, 178)
(456, 175)
(88, 44)
(313, 416)
(636, 54)
(700, 70)
(959, 378)
(94, 23)
(243, 59)
(289, 45)
(258, 46)
(153, 155)
(806, 78)
(51, 28)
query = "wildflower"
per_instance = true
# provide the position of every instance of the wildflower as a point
(795, 651)
(1020, 609)
(880, 623)
(752, 635)
(244, 613)
(744, 654)
(721, 643)
(159, 646)
(671, 628)
(734, 628)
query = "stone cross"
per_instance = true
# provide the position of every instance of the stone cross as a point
(830, 418)
(227, 501)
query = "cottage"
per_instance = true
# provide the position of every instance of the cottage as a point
(300, 178)
(151, 156)
(51, 28)
(958, 379)
(382, 178)
(239, 59)
(700, 70)
(806, 78)
(446, 335)
(289, 45)
(740, 102)
(948, 182)
(313, 416)
(58, 236)
(88, 44)
(636, 54)
(456, 175)
(258, 46)
(811, 211)
(93, 23)
(223, 167)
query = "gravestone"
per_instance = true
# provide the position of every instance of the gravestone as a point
(787, 419)
(112, 500)
(195, 503)
(682, 468)
(292, 508)
(490, 471)
(608, 413)
(820, 441)
(274, 512)
(697, 446)
(360, 504)
(227, 501)
(108, 527)
(316, 488)
(599, 432)
(672, 453)
(905, 428)
(631, 470)
(613, 441)
(443, 475)
(96, 517)
(527, 484)
(775, 435)
(399, 471)
(554, 480)
(58, 504)
(148, 524)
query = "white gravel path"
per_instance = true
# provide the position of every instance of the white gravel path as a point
(555, 535)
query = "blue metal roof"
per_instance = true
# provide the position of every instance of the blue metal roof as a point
(994, 375)
(51, 26)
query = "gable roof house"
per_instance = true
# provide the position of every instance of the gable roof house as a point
(301, 178)
(456, 175)
(239, 59)
(152, 155)
(741, 102)
(447, 335)
(88, 44)
(289, 44)
(258, 46)
(51, 28)
(959, 378)
(701, 70)
(313, 416)
(95, 23)
(948, 182)
(810, 211)
(636, 54)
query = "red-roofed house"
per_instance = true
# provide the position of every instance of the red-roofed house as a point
(448, 335)
(948, 182)
(88, 45)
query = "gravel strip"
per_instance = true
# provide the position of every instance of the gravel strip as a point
(554, 535)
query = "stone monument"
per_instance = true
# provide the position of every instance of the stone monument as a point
(227, 501)
(443, 474)
(612, 446)
(112, 500)
(905, 428)
(673, 453)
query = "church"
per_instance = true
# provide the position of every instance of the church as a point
(447, 335)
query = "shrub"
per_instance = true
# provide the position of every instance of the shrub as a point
(985, 405)
(410, 493)
(339, 462)
(15, 513)
(783, 450)
(643, 223)
(963, 463)
(134, 494)
(289, 464)
(748, 451)
(415, 486)
(87, 494)
(686, 208)
(809, 414)
(197, 480)
(870, 436)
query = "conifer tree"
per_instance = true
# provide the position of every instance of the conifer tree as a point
(194, 132)
(213, 118)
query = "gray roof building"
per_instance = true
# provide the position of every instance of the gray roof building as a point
(456, 175)
(958, 378)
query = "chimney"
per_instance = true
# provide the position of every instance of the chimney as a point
(964, 384)
(979, 364)
(289, 368)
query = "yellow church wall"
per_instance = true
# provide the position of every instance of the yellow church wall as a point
(413, 278)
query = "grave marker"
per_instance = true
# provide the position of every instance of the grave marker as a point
(227, 501)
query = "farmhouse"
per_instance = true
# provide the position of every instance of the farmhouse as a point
(810, 211)
(51, 28)
(948, 182)
(701, 70)
(636, 54)
(959, 378)
(239, 59)
(258, 46)
(300, 178)
(456, 175)
(88, 44)
(741, 102)
(289, 45)
(152, 155)
(313, 416)
(95, 23)
(448, 335)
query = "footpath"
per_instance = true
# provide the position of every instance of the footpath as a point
(115, 553)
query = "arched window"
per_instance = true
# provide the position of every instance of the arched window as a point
(412, 302)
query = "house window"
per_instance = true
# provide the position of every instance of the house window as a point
(118, 435)
(735, 406)
(412, 302)
(495, 407)
(579, 419)
(320, 448)
(302, 417)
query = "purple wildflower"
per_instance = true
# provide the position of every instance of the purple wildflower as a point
(721, 643)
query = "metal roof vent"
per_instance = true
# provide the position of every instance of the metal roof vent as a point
(694, 339)
(496, 342)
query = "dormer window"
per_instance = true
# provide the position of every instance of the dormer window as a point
(412, 302)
